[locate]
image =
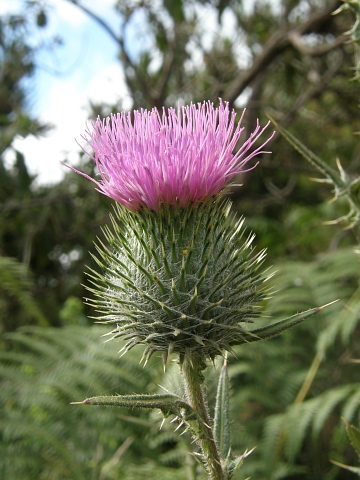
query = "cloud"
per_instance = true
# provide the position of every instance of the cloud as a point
(67, 108)
(66, 12)
(9, 7)
(85, 69)
(109, 86)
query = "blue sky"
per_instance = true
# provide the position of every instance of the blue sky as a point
(84, 68)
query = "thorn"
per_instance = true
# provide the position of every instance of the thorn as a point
(332, 200)
(320, 180)
(248, 452)
(164, 359)
(318, 309)
(331, 222)
(191, 362)
(179, 426)
(343, 174)
(225, 360)
(196, 454)
(84, 402)
(345, 421)
(165, 389)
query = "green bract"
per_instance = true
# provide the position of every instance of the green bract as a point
(179, 280)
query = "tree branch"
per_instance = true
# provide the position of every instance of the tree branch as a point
(276, 45)
(312, 92)
(98, 20)
(296, 42)
(120, 42)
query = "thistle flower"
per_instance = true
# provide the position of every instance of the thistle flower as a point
(176, 278)
(181, 157)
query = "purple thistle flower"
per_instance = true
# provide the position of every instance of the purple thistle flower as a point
(181, 157)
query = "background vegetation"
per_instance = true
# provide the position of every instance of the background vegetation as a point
(290, 59)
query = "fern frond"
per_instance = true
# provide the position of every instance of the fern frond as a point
(42, 436)
(333, 275)
(290, 428)
(16, 283)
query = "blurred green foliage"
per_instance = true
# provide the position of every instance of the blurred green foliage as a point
(42, 436)
(288, 394)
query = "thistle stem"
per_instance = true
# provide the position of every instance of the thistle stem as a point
(192, 367)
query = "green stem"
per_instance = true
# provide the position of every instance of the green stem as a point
(192, 367)
(309, 379)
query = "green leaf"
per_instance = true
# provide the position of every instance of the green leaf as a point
(343, 186)
(276, 328)
(323, 167)
(354, 436)
(221, 420)
(168, 404)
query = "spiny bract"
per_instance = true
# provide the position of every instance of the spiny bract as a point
(179, 280)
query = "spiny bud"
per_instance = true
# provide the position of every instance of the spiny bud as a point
(179, 280)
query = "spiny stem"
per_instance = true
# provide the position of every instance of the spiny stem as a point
(192, 367)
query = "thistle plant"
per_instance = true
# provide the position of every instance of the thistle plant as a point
(178, 274)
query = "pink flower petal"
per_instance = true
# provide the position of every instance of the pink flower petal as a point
(180, 157)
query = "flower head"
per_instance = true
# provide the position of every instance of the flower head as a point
(180, 157)
(177, 277)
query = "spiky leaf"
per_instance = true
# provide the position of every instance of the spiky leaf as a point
(168, 404)
(221, 419)
(354, 436)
